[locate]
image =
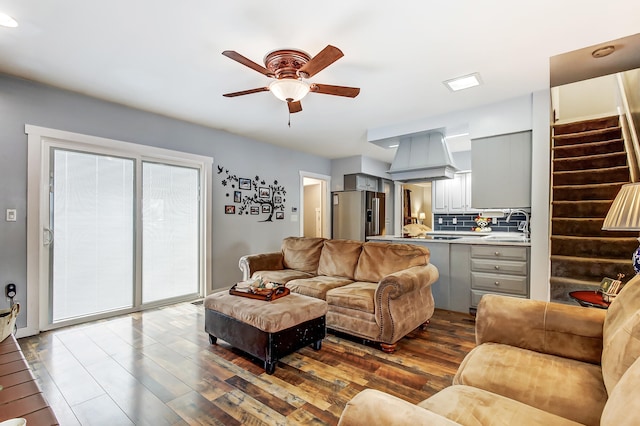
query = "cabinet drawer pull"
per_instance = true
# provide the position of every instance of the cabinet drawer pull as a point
(497, 253)
(497, 283)
(497, 267)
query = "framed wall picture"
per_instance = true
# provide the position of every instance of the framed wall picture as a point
(229, 209)
(279, 215)
(255, 210)
(237, 196)
(264, 192)
(244, 183)
(266, 208)
(277, 199)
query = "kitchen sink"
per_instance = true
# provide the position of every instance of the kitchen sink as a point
(507, 239)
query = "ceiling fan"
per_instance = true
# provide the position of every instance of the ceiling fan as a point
(290, 68)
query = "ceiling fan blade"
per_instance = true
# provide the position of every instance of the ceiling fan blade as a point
(327, 89)
(246, 92)
(294, 107)
(326, 57)
(231, 54)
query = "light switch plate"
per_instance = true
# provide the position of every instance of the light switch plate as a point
(11, 215)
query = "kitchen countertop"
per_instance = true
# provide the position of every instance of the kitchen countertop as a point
(461, 237)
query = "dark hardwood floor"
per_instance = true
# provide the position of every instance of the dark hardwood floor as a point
(157, 367)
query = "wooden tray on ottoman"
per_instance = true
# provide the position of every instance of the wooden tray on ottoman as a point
(260, 294)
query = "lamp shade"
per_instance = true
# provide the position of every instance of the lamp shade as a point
(289, 89)
(624, 213)
(421, 216)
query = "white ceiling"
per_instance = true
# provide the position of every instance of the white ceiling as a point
(165, 56)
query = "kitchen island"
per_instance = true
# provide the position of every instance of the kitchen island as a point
(472, 264)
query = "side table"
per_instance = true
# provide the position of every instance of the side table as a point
(589, 298)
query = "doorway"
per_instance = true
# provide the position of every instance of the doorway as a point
(314, 210)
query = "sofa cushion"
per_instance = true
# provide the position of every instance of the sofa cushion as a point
(281, 276)
(621, 334)
(317, 286)
(339, 258)
(301, 253)
(359, 296)
(471, 406)
(562, 386)
(381, 259)
(624, 400)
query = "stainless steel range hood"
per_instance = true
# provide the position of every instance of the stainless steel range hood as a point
(423, 156)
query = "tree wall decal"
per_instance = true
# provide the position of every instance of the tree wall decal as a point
(256, 196)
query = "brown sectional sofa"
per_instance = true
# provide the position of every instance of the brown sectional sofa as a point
(377, 291)
(536, 363)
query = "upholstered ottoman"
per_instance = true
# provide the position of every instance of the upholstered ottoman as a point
(266, 330)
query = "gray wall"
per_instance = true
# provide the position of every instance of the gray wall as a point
(23, 102)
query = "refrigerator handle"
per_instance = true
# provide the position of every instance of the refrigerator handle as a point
(376, 216)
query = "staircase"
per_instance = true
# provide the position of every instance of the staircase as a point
(589, 167)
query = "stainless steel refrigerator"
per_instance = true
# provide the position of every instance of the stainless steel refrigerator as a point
(357, 214)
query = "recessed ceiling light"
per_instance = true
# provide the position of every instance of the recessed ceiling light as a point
(464, 82)
(7, 21)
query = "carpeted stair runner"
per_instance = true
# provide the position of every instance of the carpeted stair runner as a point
(589, 167)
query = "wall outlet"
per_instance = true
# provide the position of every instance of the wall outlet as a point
(454, 220)
(494, 220)
(439, 221)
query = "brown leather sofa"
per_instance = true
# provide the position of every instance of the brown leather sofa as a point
(536, 363)
(377, 291)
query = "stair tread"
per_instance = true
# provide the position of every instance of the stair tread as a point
(588, 185)
(608, 239)
(580, 201)
(590, 157)
(604, 169)
(589, 259)
(588, 120)
(586, 144)
(575, 282)
(587, 133)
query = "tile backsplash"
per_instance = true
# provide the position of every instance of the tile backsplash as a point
(466, 222)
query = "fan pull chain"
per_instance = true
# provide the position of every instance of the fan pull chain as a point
(289, 123)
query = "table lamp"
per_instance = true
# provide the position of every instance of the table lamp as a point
(421, 216)
(624, 215)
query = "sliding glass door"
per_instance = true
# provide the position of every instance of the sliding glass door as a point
(106, 253)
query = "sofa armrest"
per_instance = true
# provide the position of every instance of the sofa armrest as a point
(260, 262)
(403, 301)
(553, 328)
(372, 407)
(411, 279)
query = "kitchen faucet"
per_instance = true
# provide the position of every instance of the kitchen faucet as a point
(525, 228)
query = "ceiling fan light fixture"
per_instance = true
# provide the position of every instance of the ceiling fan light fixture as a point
(289, 89)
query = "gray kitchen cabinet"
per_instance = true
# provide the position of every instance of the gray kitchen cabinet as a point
(360, 182)
(460, 266)
(501, 171)
(452, 195)
(440, 259)
(498, 269)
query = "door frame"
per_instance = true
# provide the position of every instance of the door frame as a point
(326, 196)
(38, 139)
